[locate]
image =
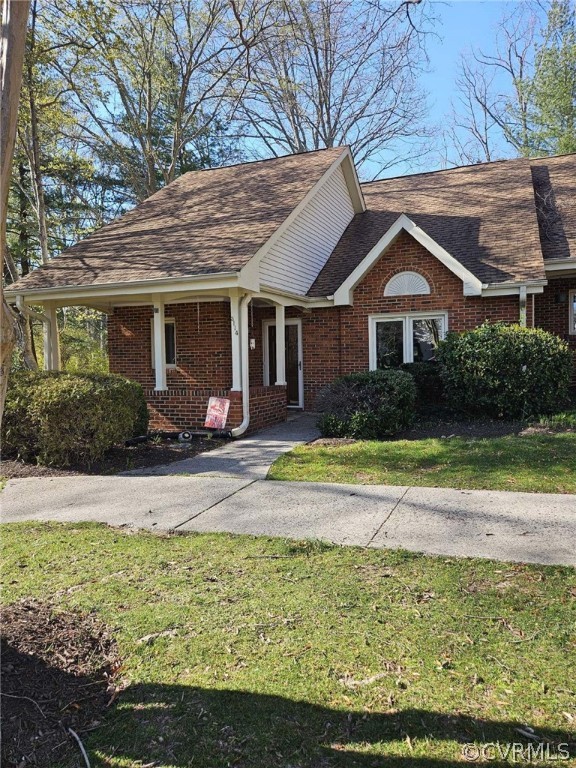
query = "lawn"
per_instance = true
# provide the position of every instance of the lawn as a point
(538, 462)
(292, 654)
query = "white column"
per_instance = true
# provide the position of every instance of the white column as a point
(159, 345)
(236, 346)
(55, 339)
(280, 345)
(51, 343)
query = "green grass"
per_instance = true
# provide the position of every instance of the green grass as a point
(538, 462)
(562, 420)
(295, 654)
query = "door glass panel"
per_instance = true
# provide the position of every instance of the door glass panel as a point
(389, 343)
(271, 354)
(426, 334)
(170, 343)
(292, 365)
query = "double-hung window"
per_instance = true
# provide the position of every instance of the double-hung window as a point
(409, 338)
(572, 299)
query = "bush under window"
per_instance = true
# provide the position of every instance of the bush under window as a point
(61, 418)
(368, 406)
(505, 371)
(428, 379)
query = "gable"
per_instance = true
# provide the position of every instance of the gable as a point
(471, 286)
(294, 261)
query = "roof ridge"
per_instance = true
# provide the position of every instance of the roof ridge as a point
(341, 147)
(470, 165)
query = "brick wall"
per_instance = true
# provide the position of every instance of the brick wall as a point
(204, 366)
(553, 311)
(336, 339)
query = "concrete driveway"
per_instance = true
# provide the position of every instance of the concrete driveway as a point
(536, 528)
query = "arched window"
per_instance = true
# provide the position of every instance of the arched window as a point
(407, 284)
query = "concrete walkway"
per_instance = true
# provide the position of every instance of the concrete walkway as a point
(225, 491)
(249, 458)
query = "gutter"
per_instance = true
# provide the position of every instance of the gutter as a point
(241, 429)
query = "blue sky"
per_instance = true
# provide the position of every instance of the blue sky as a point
(463, 24)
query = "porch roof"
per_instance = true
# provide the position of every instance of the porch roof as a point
(207, 222)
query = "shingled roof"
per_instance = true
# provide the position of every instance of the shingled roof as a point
(500, 220)
(205, 222)
(555, 193)
(484, 215)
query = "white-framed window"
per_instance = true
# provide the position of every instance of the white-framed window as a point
(407, 338)
(169, 342)
(572, 305)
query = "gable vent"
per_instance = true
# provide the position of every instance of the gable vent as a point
(407, 284)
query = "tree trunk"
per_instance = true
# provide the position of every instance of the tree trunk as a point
(34, 153)
(12, 47)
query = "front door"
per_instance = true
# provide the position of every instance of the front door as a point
(293, 337)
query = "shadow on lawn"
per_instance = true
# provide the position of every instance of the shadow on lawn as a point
(183, 726)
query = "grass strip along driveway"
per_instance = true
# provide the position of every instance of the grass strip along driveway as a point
(243, 651)
(544, 463)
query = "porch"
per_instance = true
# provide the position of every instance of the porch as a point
(184, 349)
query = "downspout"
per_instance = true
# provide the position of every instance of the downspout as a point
(523, 302)
(245, 379)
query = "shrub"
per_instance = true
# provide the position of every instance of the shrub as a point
(505, 371)
(367, 406)
(60, 418)
(428, 379)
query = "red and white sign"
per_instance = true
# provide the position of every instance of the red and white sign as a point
(217, 413)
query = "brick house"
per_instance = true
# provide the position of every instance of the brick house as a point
(262, 282)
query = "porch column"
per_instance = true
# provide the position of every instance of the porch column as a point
(51, 341)
(159, 345)
(280, 345)
(236, 346)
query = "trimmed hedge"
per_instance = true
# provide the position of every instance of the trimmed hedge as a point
(428, 379)
(62, 418)
(367, 406)
(505, 371)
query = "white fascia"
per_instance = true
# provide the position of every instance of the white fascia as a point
(106, 292)
(514, 289)
(472, 286)
(565, 266)
(292, 299)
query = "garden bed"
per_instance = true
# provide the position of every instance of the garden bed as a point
(118, 459)
(57, 670)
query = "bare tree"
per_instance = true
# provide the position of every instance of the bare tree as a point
(12, 46)
(150, 79)
(493, 114)
(332, 72)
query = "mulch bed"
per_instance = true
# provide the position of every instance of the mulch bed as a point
(119, 459)
(58, 672)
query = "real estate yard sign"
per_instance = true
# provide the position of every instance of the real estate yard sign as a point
(217, 412)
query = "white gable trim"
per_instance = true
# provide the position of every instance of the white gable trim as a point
(472, 286)
(344, 160)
